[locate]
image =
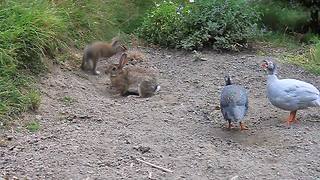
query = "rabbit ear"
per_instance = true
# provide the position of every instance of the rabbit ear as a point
(123, 60)
(115, 41)
(124, 47)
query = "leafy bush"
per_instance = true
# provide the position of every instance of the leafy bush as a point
(222, 24)
(163, 25)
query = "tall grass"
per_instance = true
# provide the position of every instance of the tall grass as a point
(285, 24)
(28, 31)
(128, 14)
(314, 61)
(90, 20)
(278, 39)
(86, 20)
(282, 16)
(310, 60)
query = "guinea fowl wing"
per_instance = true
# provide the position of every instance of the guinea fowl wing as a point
(233, 95)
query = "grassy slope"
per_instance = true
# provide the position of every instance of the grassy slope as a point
(25, 36)
(32, 29)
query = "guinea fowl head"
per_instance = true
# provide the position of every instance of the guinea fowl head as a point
(269, 66)
(227, 80)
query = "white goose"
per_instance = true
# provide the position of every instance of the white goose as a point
(290, 94)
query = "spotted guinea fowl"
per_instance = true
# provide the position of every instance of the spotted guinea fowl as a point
(234, 103)
(289, 94)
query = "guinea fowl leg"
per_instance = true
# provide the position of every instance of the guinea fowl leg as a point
(292, 117)
(243, 127)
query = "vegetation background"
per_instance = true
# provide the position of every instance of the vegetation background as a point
(35, 31)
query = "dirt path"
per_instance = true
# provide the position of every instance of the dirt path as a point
(88, 132)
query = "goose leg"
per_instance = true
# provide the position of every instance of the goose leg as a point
(243, 127)
(292, 117)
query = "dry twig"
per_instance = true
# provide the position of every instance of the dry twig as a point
(155, 166)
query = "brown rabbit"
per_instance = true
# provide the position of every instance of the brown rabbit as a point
(132, 80)
(97, 50)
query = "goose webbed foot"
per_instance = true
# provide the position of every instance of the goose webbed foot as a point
(292, 118)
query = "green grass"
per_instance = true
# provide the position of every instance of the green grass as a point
(305, 54)
(67, 100)
(279, 40)
(286, 24)
(86, 20)
(314, 59)
(281, 15)
(128, 14)
(90, 20)
(28, 31)
(33, 126)
(310, 60)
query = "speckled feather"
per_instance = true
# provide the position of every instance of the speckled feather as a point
(234, 103)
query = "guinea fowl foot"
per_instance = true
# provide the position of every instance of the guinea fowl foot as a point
(230, 125)
(292, 117)
(243, 127)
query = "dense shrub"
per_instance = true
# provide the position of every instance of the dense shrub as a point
(222, 24)
(163, 25)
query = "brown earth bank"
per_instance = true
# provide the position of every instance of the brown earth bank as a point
(87, 131)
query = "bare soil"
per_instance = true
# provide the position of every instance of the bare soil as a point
(87, 131)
